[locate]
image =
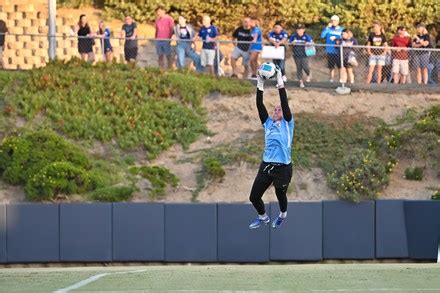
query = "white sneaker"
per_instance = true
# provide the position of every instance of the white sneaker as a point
(309, 78)
(284, 78)
(331, 80)
(301, 84)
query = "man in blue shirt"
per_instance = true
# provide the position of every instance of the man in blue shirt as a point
(276, 167)
(278, 37)
(332, 33)
(209, 34)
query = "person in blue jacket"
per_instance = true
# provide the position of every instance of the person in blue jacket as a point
(278, 37)
(332, 33)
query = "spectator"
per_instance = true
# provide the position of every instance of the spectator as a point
(85, 42)
(400, 56)
(242, 34)
(129, 33)
(3, 31)
(279, 37)
(299, 40)
(164, 30)
(421, 58)
(256, 46)
(209, 34)
(184, 33)
(331, 33)
(346, 68)
(377, 57)
(105, 33)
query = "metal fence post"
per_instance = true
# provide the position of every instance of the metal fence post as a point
(52, 29)
(217, 53)
(342, 66)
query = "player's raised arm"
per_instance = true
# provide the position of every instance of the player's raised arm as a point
(262, 111)
(287, 114)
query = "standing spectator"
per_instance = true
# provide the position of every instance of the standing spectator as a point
(242, 34)
(85, 40)
(279, 37)
(377, 57)
(209, 34)
(129, 33)
(400, 56)
(421, 58)
(105, 33)
(331, 33)
(299, 40)
(3, 31)
(256, 46)
(346, 68)
(164, 30)
(184, 34)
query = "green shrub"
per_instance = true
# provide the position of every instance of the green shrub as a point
(56, 178)
(91, 103)
(414, 173)
(356, 15)
(213, 168)
(22, 156)
(359, 175)
(112, 193)
(159, 177)
(436, 195)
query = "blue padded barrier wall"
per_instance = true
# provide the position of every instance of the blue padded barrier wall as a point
(300, 236)
(191, 232)
(2, 233)
(391, 241)
(423, 228)
(33, 232)
(85, 232)
(348, 230)
(138, 232)
(236, 242)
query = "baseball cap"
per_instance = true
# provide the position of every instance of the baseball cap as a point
(335, 17)
(300, 26)
(421, 25)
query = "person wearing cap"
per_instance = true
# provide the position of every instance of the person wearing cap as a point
(299, 40)
(331, 33)
(400, 42)
(421, 58)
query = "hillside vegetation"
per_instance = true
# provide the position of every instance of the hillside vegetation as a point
(52, 119)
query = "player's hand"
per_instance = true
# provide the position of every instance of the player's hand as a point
(279, 75)
(260, 82)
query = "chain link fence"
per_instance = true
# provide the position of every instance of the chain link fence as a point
(352, 65)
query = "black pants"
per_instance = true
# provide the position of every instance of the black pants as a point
(302, 64)
(277, 174)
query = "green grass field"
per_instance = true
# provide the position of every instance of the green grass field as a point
(285, 278)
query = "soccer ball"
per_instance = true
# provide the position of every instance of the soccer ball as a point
(267, 70)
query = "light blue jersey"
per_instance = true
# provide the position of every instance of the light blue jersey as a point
(278, 140)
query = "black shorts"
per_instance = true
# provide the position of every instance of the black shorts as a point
(130, 53)
(346, 64)
(332, 61)
(279, 174)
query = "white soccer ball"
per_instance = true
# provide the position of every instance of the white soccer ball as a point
(267, 70)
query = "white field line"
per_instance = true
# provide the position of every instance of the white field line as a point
(380, 290)
(93, 279)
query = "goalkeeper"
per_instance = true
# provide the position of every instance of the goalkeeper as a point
(276, 167)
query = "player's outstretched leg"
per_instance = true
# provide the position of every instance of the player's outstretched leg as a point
(282, 200)
(261, 184)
